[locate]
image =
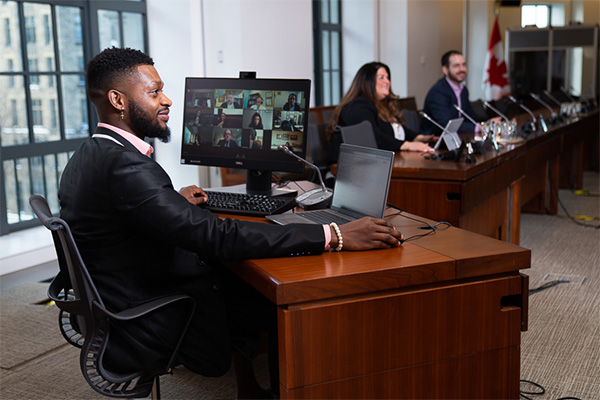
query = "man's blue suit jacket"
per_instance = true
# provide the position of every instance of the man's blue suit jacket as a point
(439, 105)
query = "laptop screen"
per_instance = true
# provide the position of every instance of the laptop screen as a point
(453, 140)
(362, 180)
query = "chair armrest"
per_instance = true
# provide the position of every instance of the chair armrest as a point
(143, 309)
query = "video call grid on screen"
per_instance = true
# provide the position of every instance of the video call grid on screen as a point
(244, 119)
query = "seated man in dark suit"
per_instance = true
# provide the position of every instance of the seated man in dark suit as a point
(230, 102)
(291, 104)
(226, 141)
(449, 90)
(141, 239)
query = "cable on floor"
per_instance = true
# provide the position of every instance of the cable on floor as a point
(554, 189)
(540, 390)
(548, 285)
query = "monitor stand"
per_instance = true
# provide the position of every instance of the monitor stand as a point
(258, 182)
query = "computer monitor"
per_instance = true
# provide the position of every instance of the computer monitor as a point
(240, 123)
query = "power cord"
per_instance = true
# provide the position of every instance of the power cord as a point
(548, 285)
(540, 391)
(573, 219)
(431, 228)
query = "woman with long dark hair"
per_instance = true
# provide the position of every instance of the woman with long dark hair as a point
(370, 98)
(256, 121)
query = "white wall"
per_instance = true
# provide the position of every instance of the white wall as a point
(219, 38)
(476, 43)
(358, 32)
(393, 42)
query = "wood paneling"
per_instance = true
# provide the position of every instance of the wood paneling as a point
(413, 330)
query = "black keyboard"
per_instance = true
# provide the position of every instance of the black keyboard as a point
(256, 205)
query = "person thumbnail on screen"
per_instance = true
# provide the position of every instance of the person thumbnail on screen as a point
(228, 118)
(289, 101)
(227, 137)
(203, 99)
(230, 99)
(190, 129)
(260, 100)
(289, 121)
(292, 103)
(291, 140)
(262, 119)
(252, 138)
(256, 121)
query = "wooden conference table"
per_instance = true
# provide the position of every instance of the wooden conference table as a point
(487, 196)
(438, 317)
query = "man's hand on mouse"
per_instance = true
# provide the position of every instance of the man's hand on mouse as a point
(368, 233)
(194, 194)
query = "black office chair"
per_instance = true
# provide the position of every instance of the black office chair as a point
(86, 323)
(411, 120)
(360, 134)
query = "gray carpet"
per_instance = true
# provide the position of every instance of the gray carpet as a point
(27, 329)
(560, 351)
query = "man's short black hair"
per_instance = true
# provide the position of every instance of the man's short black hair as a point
(110, 64)
(447, 55)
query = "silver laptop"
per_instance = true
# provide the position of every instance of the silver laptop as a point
(361, 188)
(450, 135)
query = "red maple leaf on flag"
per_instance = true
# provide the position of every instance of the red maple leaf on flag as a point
(495, 73)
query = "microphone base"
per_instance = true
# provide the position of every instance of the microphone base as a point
(315, 199)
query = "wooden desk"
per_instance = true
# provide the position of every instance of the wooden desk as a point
(487, 197)
(439, 317)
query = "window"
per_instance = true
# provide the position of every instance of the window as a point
(36, 110)
(7, 40)
(33, 67)
(327, 38)
(50, 67)
(44, 110)
(30, 29)
(47, 33)
(542, 15)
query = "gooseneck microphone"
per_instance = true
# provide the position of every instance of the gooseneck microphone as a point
(539, 100)
(316, 198)
(444, 131)
(562, 89)
(554, 99)
(498, 113)
(467, 116)
(533, 124)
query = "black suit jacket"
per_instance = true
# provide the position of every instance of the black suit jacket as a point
(439, 105)
(296, 107)
(235, 105)
(363, 109)
(141, 239)
(232, 143)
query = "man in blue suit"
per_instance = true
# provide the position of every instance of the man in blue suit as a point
(449, 90)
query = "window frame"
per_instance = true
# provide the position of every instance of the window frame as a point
(64, 146)
(319, 27)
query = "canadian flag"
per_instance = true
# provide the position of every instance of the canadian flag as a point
(495, 74)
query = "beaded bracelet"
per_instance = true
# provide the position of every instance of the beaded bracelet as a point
(338, 233)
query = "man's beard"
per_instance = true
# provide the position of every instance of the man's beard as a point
(146, 126)
(455, 78)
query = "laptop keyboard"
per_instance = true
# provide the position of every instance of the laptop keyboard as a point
(325, 217)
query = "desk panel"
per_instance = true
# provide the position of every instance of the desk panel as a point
(421, 334)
